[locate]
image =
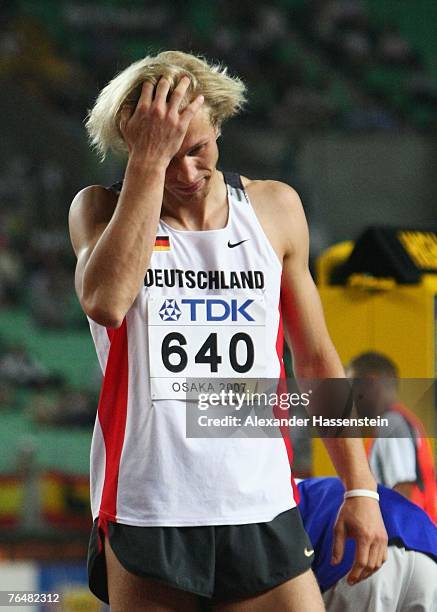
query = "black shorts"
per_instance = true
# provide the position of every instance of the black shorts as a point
(216, 562)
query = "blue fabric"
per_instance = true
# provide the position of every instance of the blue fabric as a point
(320, 499)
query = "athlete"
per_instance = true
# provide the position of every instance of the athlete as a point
(187, 273)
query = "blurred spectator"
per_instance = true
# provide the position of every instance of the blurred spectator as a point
(356, 46)
(8, 395)
(393, 48)
(11, 274)
(30, 54)
(270, 27)
(423, 88)
(21, 369)
(66, 407)
(401, 457)
(302, 108)
(50, 294)
(370, 116)
(333, 16)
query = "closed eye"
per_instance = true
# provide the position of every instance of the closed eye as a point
(196, 150)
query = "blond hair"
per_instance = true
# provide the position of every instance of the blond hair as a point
(224, 95)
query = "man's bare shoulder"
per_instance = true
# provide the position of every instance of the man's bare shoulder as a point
(92, 200)
(278, 197)
(90, 209)
(279, 208)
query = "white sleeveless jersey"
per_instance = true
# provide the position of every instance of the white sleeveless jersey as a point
(210, 307)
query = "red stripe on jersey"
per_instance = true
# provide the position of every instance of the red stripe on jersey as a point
(112, 412)
(282, 388)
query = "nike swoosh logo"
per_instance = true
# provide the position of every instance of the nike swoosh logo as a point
(231, 246)
(307, 552)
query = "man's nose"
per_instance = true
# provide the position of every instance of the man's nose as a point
(187, 172)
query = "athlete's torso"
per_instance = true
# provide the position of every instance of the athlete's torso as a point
(210, 307)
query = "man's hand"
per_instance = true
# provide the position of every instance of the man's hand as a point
(155, 130)
(360, 518)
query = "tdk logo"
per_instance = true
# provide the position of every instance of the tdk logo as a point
(212, 309)
(170, 311)
(219, 310)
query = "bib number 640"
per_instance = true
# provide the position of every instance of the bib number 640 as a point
(175, 358)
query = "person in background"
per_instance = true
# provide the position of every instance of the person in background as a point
(406, 582)
(400, 458)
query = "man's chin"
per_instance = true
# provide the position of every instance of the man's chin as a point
(187, 196)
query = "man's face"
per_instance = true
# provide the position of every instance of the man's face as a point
(189, 173)
(373, 393)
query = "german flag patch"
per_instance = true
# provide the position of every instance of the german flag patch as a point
(162, 243)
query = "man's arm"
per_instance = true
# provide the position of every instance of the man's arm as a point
(113, 241)
(393, 459)
(314, 357)
(405, 488)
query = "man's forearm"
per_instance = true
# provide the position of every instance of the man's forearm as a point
(347, 454)
(404, 488)
(350, 462)
(116, 267)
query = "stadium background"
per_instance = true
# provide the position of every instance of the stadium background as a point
(342, 105)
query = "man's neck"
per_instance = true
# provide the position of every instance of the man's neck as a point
(209, 212)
